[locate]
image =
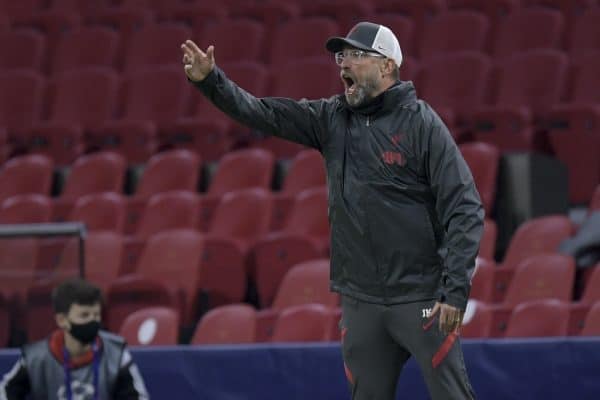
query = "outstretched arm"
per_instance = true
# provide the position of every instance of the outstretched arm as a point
(299, 121)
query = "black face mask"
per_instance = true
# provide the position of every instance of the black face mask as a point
(85, 333)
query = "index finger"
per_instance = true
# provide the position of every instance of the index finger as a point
(186, 50)
(194, 48)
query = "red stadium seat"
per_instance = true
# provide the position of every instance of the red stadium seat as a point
(95, 173)
(313, 79)
(519, 85)
(130, 293)
(241, 217)
(483, 160)
(567, 7)
(540, 318)
(103, 250)
(209, 131)
(160, 9)
(241, 169)
(306, 171)
(591, 325)
(306, 34)
(457, 81)
(522, 99)
(26, 175)
(22, 49)
(421, 12)
(73, 112)
(126, 20)
(155, 45)
(19, 260)
(100, 212)
(73, 50)
(271, 14)
(148, 110)
(477, 320)
(575, 140)
(495, 10)
(25, 209)
(225, 36)
(21, 97)
(83, 7)
(482, 281)
(92, 173)
(531, 28)
(537, 236)
(175, 209)
(584, 78)
(166, 274)
(53, 24)
(166, 171)
(346, 13)
(454, 31)
(305, 323)
(155, 326)
(586, 32)
(163, 211)
(21, 10)
(542, 276)
(197, 14)
(234, 323)
(492, 8)
(487, 246)
(304, 237)
(572, 10)
(306, 282)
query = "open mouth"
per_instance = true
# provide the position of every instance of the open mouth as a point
(349, 83)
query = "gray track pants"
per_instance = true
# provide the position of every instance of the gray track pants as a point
(377, 340)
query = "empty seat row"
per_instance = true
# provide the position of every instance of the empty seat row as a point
(268, 26)
(180, 170)
(175, 265)
(539, 318)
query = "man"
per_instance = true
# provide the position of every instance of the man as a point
(77, 362)
(406, 219)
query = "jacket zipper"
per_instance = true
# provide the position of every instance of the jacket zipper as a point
(368, 120)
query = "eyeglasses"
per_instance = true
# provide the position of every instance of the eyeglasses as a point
(354, 56)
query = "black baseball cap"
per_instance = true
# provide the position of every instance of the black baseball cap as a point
(369, 36)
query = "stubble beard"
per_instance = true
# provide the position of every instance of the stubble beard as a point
(363, 92)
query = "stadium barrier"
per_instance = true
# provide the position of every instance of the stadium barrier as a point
(554, 368)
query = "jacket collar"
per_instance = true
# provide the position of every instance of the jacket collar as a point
(56, 343)
(401, 92)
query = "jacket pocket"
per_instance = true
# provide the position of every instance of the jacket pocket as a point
(402, 237)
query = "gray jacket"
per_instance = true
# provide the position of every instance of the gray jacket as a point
(39, 375)
(405, 216)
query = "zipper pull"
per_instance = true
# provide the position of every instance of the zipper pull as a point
(368, 120)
